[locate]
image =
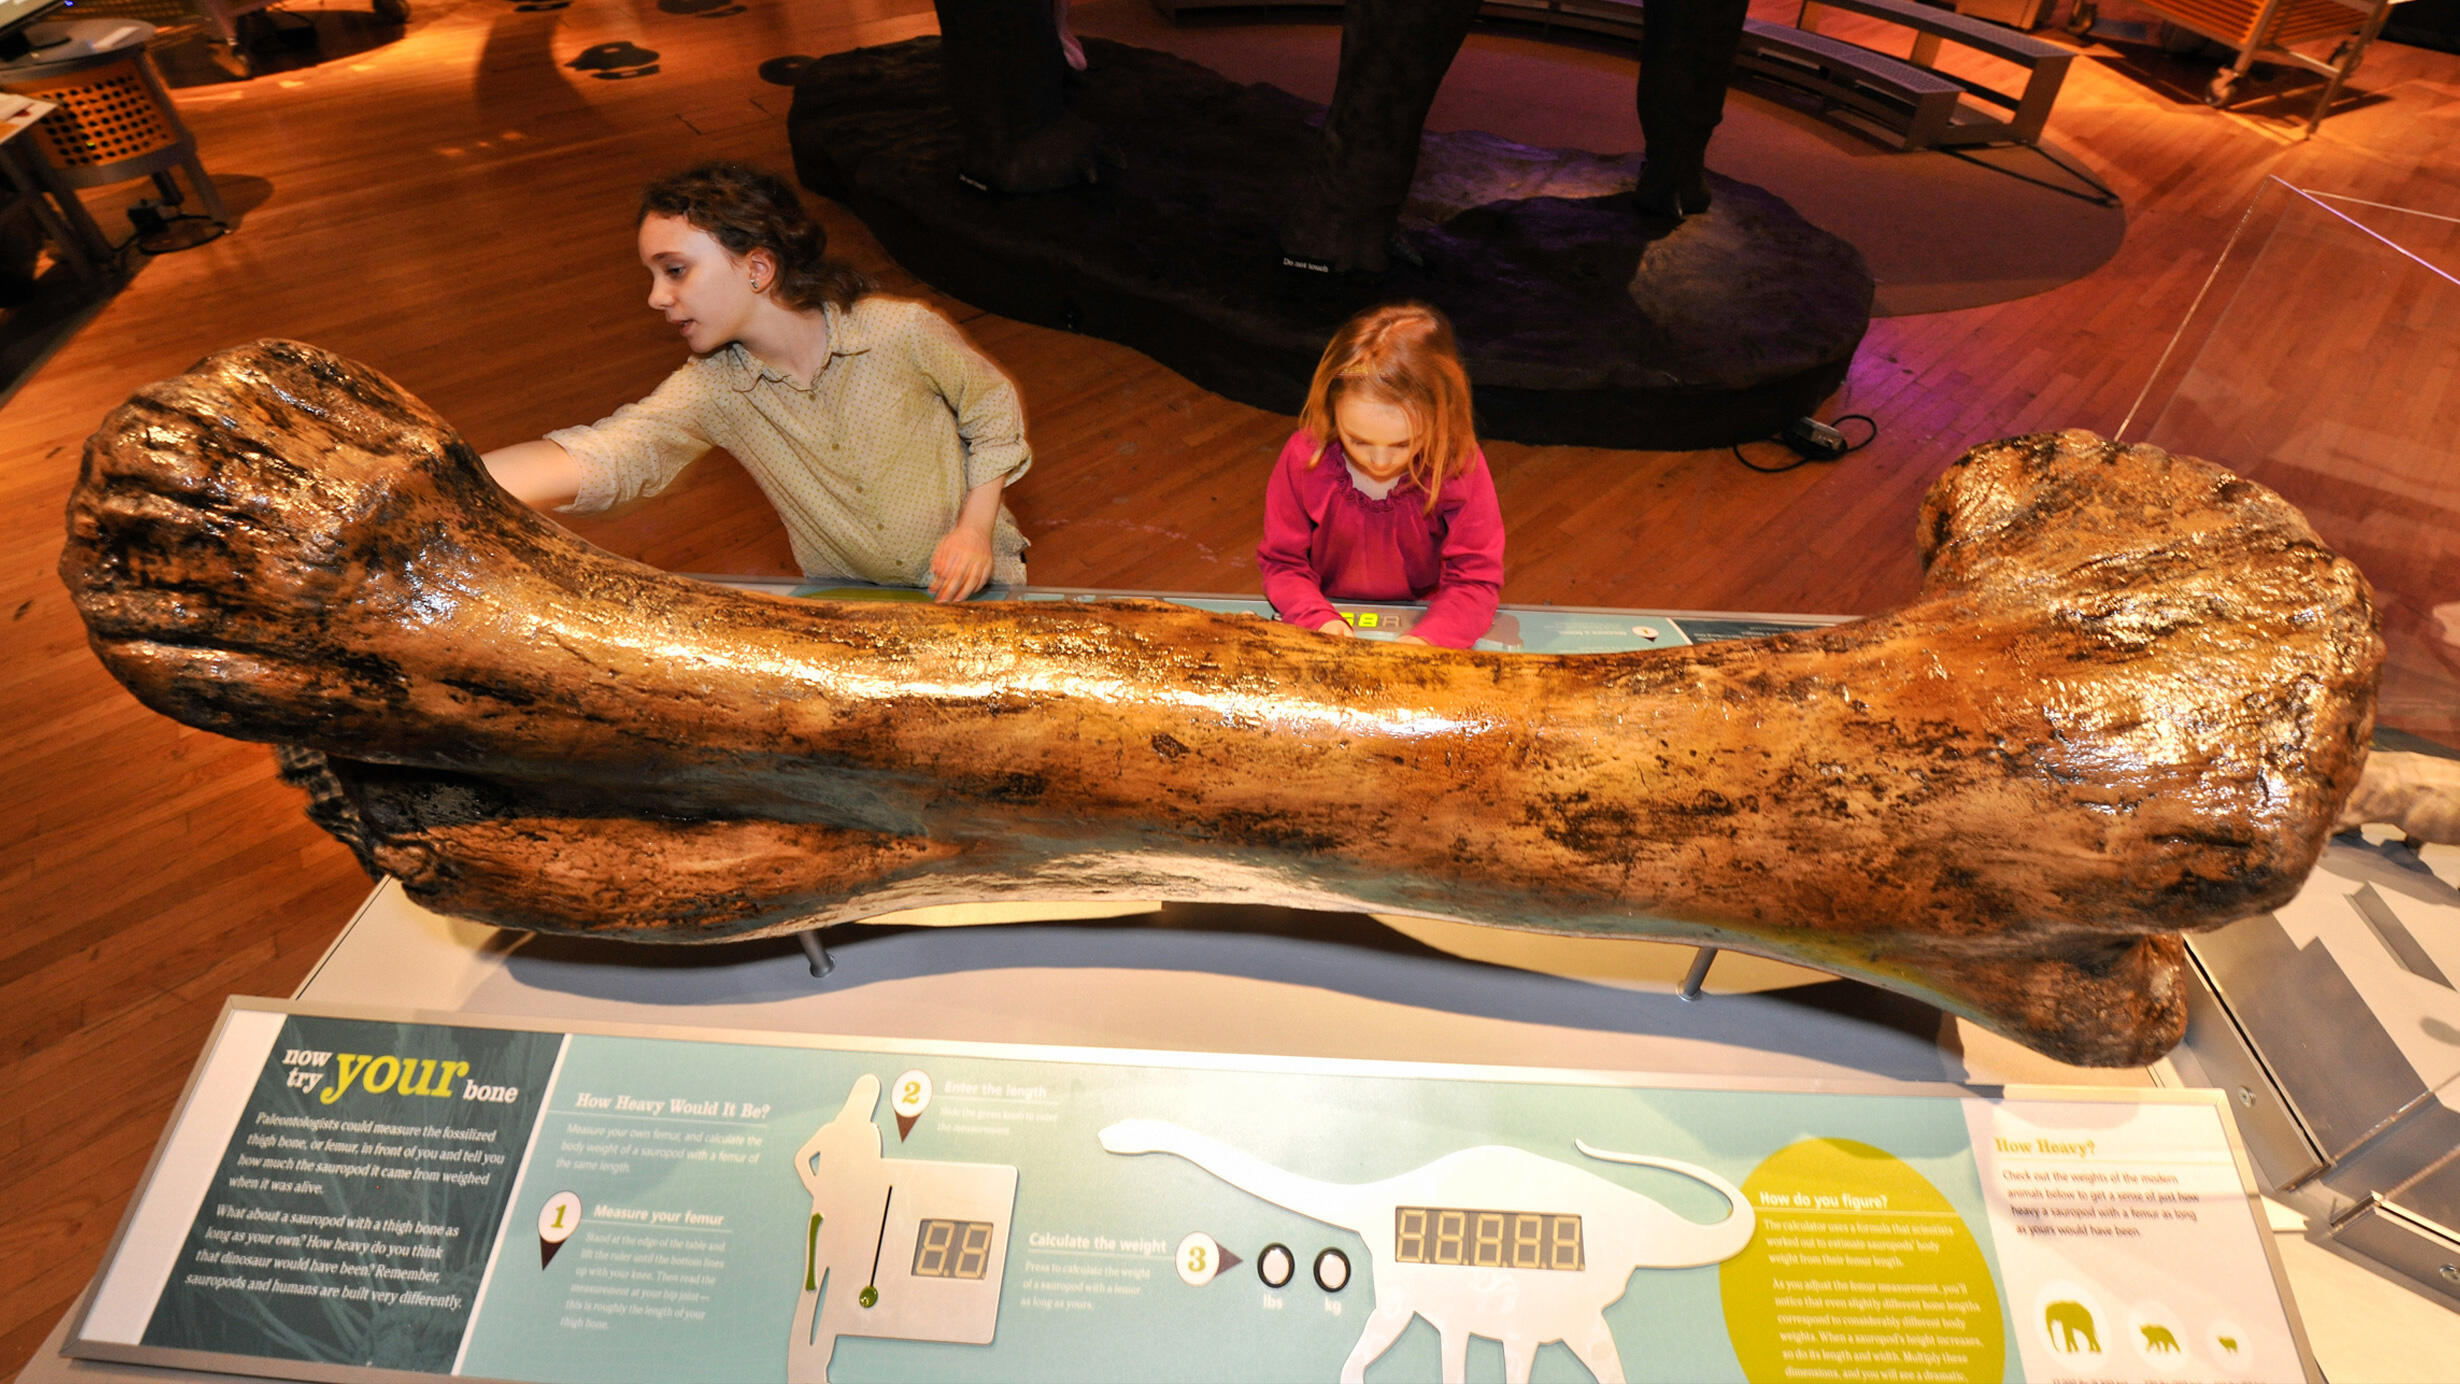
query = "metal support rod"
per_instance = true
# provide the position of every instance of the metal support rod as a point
(1698, 975)
(821, 962)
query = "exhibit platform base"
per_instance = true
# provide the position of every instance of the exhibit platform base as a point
(1582, 320)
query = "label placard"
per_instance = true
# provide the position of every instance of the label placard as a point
(422, 1199)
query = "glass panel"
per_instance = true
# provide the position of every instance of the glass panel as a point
(2323, 361)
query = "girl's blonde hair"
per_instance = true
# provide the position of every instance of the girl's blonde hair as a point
(1401, 354)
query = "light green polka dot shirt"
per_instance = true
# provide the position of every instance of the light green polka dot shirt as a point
(867, 467)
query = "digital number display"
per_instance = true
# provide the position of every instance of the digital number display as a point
(1486, 1239)
(1377, 619)
(952, 1249)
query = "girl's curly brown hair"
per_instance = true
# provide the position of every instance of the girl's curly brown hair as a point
(744, 208)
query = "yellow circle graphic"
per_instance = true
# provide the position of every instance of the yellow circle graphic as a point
(1860, 1270)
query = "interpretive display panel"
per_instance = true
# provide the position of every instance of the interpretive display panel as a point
(346, 1194)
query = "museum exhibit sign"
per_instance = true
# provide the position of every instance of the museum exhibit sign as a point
(351, 1193)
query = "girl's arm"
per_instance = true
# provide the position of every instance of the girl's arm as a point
(1462, 607)
(990, 420)
(991, 424)
(1285, 558)
(638, 450)
(540, 474)
(962, 562)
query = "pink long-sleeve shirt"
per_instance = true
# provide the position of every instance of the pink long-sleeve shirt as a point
(1325, 538)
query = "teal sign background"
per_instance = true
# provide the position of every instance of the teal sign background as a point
(1337, 1128)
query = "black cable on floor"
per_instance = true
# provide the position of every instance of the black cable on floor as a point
(1803, 452)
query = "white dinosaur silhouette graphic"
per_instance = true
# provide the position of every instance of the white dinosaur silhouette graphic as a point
(905, 1248)
(1484, 1289)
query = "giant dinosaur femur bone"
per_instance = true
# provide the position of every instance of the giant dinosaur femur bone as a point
(2128, 700)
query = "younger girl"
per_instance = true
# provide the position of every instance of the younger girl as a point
(1382, 493)
(883, 438)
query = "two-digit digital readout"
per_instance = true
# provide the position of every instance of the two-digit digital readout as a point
(952, 1249)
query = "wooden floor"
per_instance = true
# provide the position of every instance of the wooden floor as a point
(452, 205)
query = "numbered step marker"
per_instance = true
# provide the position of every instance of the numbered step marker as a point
(1202, 1259)
(556, 1222)
(909, 1098)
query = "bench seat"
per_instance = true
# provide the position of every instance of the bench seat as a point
(1895, 99)
(2018, 119)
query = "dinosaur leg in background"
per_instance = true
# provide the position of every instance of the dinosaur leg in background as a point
(1394, 54)
(1007, 81)
(1686, 55)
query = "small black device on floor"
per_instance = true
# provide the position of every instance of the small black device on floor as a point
(1813, 440)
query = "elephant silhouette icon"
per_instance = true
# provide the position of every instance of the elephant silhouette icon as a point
(2158, 1338)
(2069, 1321)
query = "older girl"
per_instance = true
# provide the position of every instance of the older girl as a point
(882, 437)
